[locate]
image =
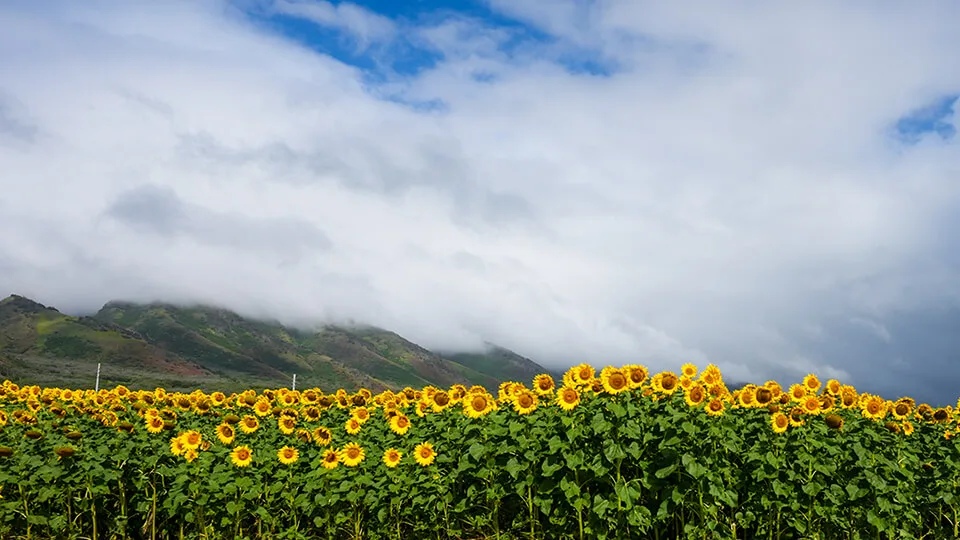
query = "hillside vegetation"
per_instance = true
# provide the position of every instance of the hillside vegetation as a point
(187, 347)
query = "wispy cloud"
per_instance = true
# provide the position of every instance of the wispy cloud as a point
(613, 182)
(366, 26)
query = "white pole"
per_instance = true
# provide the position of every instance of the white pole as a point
(294, 386)
(98, 377)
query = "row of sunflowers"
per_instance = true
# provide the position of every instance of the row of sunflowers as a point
(618, 453)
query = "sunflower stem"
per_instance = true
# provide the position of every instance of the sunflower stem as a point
(26, 509)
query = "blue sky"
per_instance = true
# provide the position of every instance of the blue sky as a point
(773, 190)
(931, 118)
(404, 54)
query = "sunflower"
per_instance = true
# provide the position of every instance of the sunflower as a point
(286, 424)
(711, 375)
(191, 439)
(352, 426)
(362, 414)
(424, 453)
(688, 370)
(763, 396)
(875, 408)
(262, 407)
(834, 387)
(798, 392)
(668, 382)
(578, 376)
(457, 393)
(155, 424)
(176, 446)
(715, 407)
(525, 402)
(901, 409)
(614, 380)
(849, 398)
(64, 451)
(331, 458)
(780, 422)
(322, 436)
(422, 408)
(568, 398)
(400, 424)
(190, 454)
(834, 421)
(225, 433)
(391, 457)
(747, 397)
(811, 405)
(352, 454)
(543, 384)
(695, 395)
(478, 405)
(241, 456)
(311, 413)
(249, 424)
(440, 401)
(811, 383)
(288, 455)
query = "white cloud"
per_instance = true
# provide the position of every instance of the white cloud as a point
(365, 25)
(730, 193)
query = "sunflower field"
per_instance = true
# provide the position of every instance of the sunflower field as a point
(614, 454)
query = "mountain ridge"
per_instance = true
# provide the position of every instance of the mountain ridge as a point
(205, 346)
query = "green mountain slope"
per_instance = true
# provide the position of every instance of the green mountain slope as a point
(186, 347)
(501, 364)
(40, 344)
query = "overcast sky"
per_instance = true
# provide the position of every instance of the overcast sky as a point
(772, 189)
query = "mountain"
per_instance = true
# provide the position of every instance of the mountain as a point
(187, 347)
(500, 363)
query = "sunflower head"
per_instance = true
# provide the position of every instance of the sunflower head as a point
(424, 453)
(241, 456)
(288, 455)
(668, 382)
(614, 380)
(399, 423)
(391, 457)
(568, 397)
(715, 407)
(811, 404)
(780, 422)
(331, 458)
(834, 421)
(322, 436)
(543, 384)
(811, 383)
(352, 454)
(525, 402)
(441, 400)
(477, 405)
(695, 395)
(637, 375)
